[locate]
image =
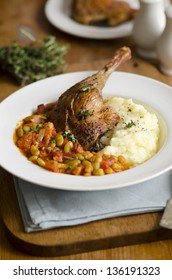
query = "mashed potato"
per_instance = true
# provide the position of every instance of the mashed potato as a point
(136, 135)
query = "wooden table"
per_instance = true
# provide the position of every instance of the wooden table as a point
(84, 54)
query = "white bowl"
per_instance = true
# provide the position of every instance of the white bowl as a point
(155, 95)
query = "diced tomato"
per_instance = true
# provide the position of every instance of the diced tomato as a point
(107, 161)
(58, 156)
(69, 155)
(49, 132)
(25, 142)
(65, 141)
(77, 148)
(51, 165)
(77, 170)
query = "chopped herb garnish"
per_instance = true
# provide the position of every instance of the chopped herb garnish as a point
(68, 134)
(30, 62)
(85, 88)
(37, 127)
(98, 147)
(130, 124)
(84, 113)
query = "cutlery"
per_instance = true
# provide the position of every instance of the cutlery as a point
(166, 220)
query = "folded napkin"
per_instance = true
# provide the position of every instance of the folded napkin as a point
(44, 208)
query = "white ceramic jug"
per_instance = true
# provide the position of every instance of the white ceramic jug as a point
(164, 45)
(148, 26)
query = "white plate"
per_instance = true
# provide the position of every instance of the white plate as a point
(58, 13)
(156, 95)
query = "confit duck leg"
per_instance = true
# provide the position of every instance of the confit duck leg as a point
(81, 108)
(113, 12)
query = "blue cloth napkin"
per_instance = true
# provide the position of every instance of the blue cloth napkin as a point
(44, 208)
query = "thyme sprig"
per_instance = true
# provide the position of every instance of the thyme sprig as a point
(33, 62)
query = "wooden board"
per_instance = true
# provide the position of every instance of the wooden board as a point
(97, 235)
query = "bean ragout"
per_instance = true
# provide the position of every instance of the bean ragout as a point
(59, 151)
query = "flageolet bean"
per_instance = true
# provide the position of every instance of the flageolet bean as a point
(122, 160)
(92, 159)
(68, 147)
(87, 155)
(34, 150)
(117, 167)
(98, 172)
(41, 162)
(89, 169)
(26, 128)
(86, 163)
(79, 156)
(20, 131)
(59, 139)
(98, 158)
(96, 165)
(33, 158)
(62, 165)
(109, 170)
(87, 166)
(74, 162)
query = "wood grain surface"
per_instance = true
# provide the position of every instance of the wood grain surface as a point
(130, 237)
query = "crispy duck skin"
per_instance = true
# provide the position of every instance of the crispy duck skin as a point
(81, 108)
(113, 12)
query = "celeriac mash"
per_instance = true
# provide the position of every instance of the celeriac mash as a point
(136, 135)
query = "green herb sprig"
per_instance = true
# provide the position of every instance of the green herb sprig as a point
(84, 113)
(130, 124)
(68, 134)
(98, 147)
(84, 88)
(33, 62)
